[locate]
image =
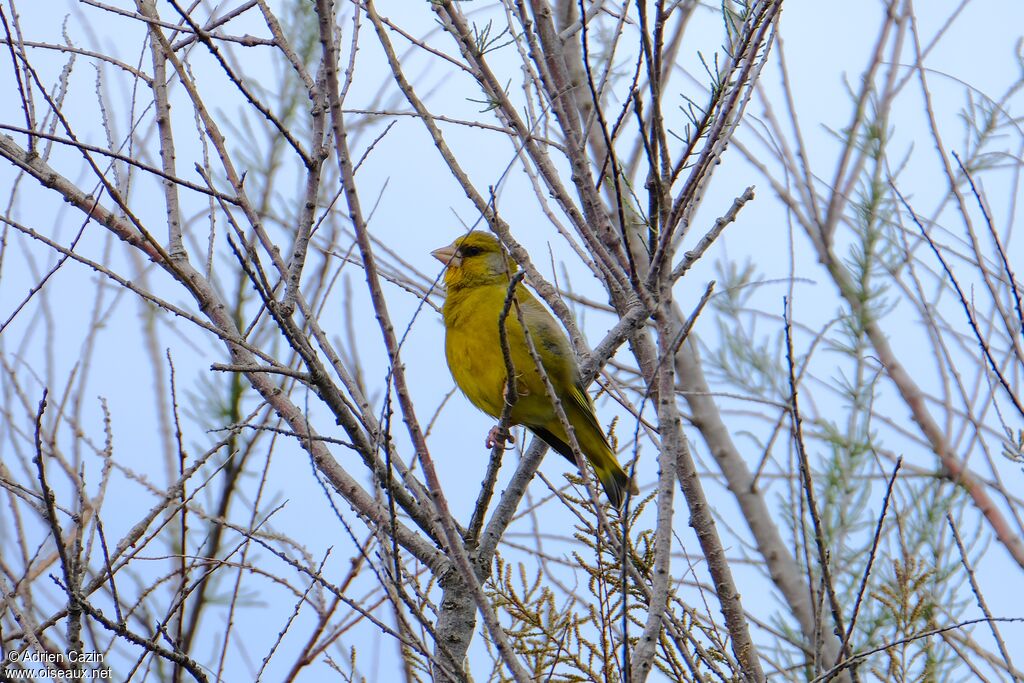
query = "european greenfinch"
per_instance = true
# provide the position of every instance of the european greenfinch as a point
(477, 282)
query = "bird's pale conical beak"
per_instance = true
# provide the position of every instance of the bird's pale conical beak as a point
(446, 255)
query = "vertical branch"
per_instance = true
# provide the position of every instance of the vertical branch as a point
(183, 581)
(175, 244)
(318, 154)
(670, 428)
(676, 461)
(68, 562)
(24, 91)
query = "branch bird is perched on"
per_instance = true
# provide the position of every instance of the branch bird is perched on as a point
(477, 281)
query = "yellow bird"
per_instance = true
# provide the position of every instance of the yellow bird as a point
(477, 280)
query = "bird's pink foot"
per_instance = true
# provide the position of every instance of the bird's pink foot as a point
(497, 435)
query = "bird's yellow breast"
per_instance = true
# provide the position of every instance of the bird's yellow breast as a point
(473, 346)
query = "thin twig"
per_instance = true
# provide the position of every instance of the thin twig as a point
(808, 487)
(862, 591)
(976, 589)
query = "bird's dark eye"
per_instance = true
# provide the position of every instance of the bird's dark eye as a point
(466, 252)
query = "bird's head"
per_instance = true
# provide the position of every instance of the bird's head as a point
(476, 258)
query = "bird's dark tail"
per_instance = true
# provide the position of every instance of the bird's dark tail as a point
(615, 482)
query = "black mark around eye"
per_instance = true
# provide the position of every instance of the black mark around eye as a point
(466, 252)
